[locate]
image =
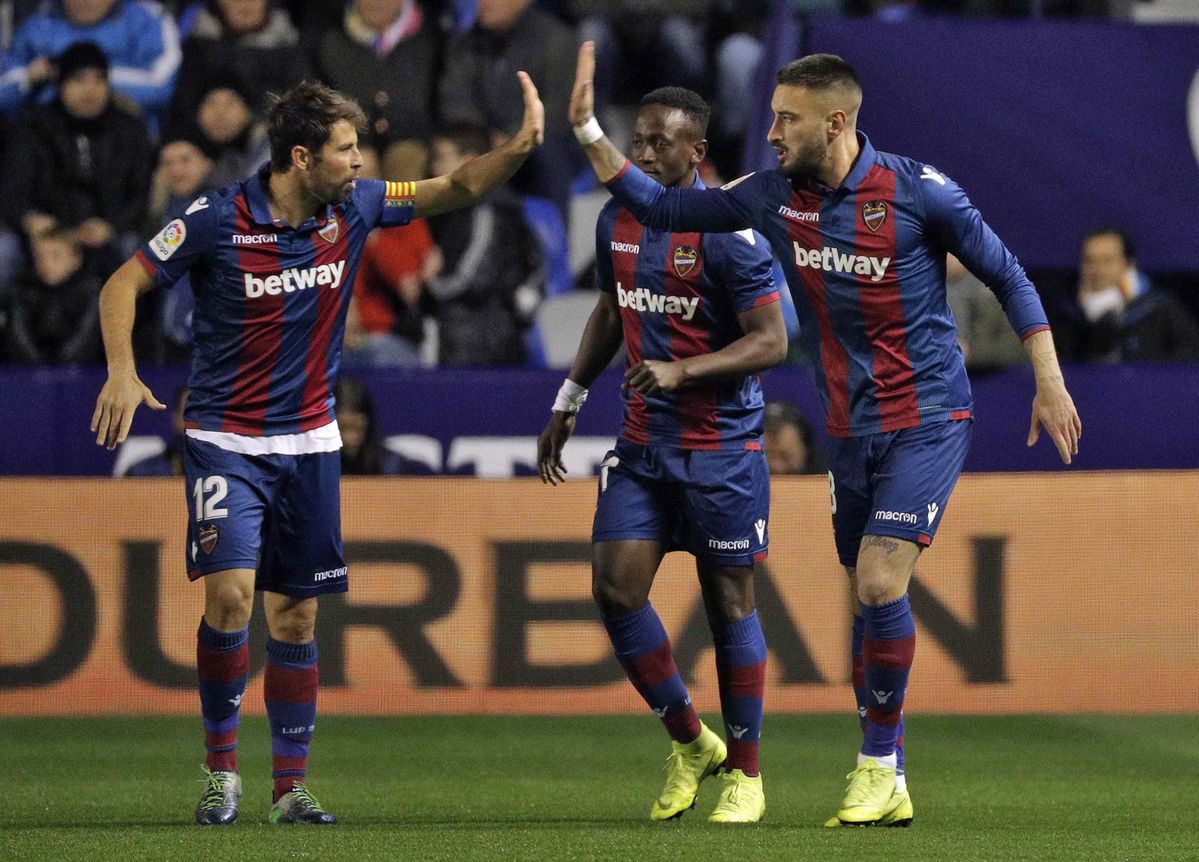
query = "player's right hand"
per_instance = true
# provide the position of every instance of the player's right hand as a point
(115, 406)
(582, 97)
(550, 445)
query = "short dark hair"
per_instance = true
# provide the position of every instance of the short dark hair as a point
(304, 117)
(1130, 251)
(819, 72)
(470, 138)
(689, 102)
(779, 414)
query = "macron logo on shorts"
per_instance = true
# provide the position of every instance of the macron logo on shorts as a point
(291, 280)
(331, 574)
(900, 517)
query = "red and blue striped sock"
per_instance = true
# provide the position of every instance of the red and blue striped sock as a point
(859, 685)
(888, 648)
(643, 650)
(741, 671)
(222, 663)
(289, 688)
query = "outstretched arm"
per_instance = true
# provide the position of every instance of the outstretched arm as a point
(480, 175)
(600, 341)
(708, 210)
(124, 391)
(1052, 407)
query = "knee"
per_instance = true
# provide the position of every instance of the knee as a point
(876, 585)
(730, 595)
(228, 606)
(614, 598)
(295, 625)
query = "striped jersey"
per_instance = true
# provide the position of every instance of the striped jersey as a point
(679, 295)
(865, 263)
(270, 301)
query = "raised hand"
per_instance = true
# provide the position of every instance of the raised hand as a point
(532, 129)
(582, 97)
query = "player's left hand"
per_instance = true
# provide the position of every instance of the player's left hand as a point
(653, 375)
(532, 129)
(1053, 409)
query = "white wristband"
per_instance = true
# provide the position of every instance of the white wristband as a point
(570, 397)
(589, 132)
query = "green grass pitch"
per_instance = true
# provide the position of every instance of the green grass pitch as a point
(475, 788)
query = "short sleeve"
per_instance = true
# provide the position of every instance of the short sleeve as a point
(744, 265)
(182, 243)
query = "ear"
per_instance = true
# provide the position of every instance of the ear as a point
(836, 122)
(699, 152)
(301, 157)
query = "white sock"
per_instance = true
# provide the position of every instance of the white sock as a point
(891, 760)
(901, 782)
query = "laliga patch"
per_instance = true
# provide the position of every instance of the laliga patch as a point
(685, 259)
(874, 213)
(169, 239)
(330, 231)
(208, 537)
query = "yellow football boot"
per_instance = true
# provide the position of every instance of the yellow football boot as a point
(687, 766)
(741, 800)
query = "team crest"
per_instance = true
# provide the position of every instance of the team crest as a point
(330, 231)
(208, 537)
(685, 259)
(874, 213)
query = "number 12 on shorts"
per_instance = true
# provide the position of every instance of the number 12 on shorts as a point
(208, 492)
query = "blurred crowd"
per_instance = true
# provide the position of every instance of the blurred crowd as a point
(116, 114)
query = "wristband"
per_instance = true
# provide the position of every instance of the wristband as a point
(589, 132)
(570, 397)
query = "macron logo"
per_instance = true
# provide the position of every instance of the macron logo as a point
(832, 260)
(760, 527)
(291, 280)
(630, 247)
(643, 300)
(252, 238)
(796, 215)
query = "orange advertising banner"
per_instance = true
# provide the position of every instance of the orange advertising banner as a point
(1042, 593)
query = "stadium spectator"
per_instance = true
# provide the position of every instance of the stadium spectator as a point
(1118, 315)
(80, 162)
(492, 278)
(984, 334)
(139, 39)
(226, 129)
(790, 442)
(509, 35)
(362, 449)
(250, 39)
(386, 55)
(700, 315)
(55, 319)
(170, 461)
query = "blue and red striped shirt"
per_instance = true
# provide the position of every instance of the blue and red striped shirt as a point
(271, 301)
(679, 296)
(866, 266)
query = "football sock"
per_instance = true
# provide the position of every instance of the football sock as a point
(859, 689)
(643, 650)
(741, 671)
(289, 688)
(888, 648)
(222, 662)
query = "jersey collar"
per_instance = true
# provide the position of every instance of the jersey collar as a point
(857, 172)
(260, 209)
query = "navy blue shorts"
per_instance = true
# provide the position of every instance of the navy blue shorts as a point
(714, 503)
(894, 484)
(277, 514)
